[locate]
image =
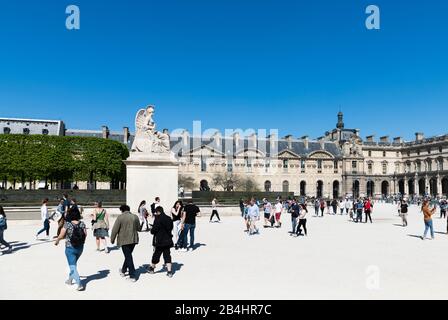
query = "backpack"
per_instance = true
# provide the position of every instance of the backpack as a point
(3, 225)
(78, 237)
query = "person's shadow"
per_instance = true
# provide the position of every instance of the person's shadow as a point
(198, 245)
(144, 269)
(100, 275)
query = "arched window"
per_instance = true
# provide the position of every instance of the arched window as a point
(267, 186)
(285, 186)
(303, 188)
(6, 130)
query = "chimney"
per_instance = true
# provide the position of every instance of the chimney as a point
(126, 135)
(306, 141)
(384, 139)
(398, 140)
(253, 140)
(185, 137)
(288, 138)
(105, 132)
(322, 144)
(370, 138)
(236, 139)
(419, 136)
(357, 132)
(217, 139)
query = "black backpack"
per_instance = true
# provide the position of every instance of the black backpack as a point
(78, 237)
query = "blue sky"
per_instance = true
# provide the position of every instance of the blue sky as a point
(278, 64)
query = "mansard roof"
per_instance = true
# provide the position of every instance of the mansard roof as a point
(228, 146)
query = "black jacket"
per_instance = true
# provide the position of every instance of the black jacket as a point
(162, 231)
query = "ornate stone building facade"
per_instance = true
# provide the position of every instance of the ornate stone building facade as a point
(337, 164)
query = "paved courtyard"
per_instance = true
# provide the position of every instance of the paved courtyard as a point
(338, 260)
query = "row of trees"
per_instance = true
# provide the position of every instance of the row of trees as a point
(226, 181)
(52, 158)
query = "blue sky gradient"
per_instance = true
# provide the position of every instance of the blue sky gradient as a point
(278, 64)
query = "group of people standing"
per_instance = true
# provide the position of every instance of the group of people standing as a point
(250, 211)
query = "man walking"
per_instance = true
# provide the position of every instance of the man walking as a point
(188, 225)
(126, 230)
(302, 221)
(253, 213)
(359, 206)
(404, 212)
(295, 213)
(163, 241)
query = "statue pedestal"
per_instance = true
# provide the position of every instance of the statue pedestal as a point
(151, 176)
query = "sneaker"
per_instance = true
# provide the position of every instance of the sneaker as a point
(98, 250)
(80, 288)
(106, 250)
(120, 272)
(151, 270)
(131, 279)
(169, 274)
(69, 282)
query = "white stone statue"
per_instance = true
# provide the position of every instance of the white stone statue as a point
(147, 140)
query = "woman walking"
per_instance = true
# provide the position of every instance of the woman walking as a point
(143, 215)
(427, 217)
(404, 212)
(162, 241)
(215, 210)
(100, 225)
(176, 215)
(278, 208)
(75, 233)
(45, 219)
(3, 227)
(302, 221)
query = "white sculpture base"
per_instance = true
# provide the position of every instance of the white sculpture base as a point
(149, 177)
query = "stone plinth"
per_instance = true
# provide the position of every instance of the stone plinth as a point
(151, 176)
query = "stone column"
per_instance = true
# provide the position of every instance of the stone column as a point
(406, 186)
(426, 184)
(439, 185)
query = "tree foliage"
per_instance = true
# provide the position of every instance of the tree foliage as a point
(187, 182)
(34, 157)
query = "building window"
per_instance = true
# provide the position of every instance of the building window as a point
(440, 149)
(370, 168)
(248, 164)
(319, 166)
(384, 168)
(229, 166)
(336, 169)
(6, 130)
(429, 165)
(384, 153)
(429, 151)
(302, 165)
(45, 132)
(354, 167)
(191, 158)
(370, 153)
(397, 168)
(419, 166)
(203, 164)
(267, 165)
(418, 152)
(409, 153)
(285, 165)
(398, 154)
(26, 131)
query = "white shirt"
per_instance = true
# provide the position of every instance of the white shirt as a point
(44, 212)
(253, 211)
(278, 207)
(214, 205)
(348, 204)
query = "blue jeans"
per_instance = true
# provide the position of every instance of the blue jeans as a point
(428, 225)
(187, 228)
(294, 224)
(46, 228)
(73, 254)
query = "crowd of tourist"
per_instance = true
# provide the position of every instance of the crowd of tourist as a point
(177, 228)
